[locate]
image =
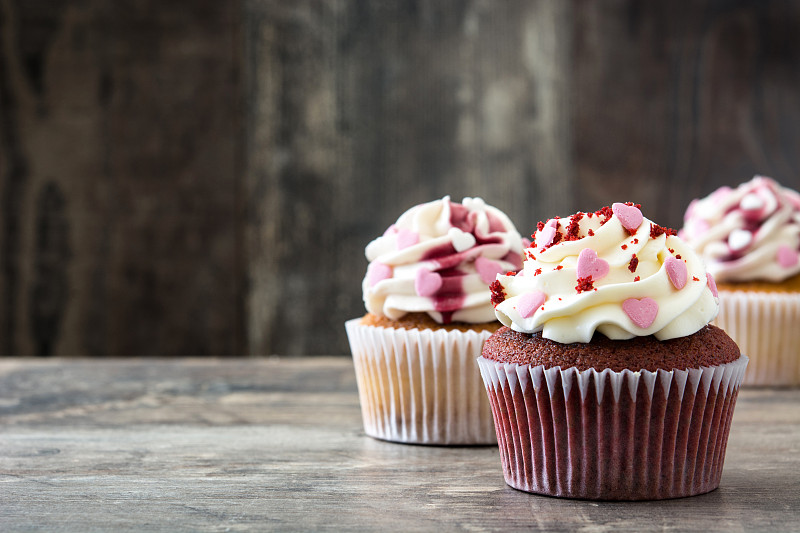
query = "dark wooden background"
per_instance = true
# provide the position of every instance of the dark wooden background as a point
(202, 177)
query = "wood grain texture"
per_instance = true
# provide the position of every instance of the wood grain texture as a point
(358, 110)
(277, 444)
(204, 180)
(120, 174)
(673, 100)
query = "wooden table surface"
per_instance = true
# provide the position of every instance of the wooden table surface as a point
(277, 444)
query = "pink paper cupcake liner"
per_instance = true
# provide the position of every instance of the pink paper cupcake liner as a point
(612, 435)
(421, 386)
(766, 326)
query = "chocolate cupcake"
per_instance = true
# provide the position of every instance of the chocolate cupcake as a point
(606, 381)
(429, 312)
(749, 238)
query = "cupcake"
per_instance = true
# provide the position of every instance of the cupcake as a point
(749, 238)
(606, 381)
(429, 311)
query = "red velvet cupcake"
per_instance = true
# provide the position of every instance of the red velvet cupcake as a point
(607, 381)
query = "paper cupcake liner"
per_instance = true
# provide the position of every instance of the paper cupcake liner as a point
(766, 326)
(421, 386)
(612, 435)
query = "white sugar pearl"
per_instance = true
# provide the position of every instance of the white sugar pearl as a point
(739, 239)
(462, 241)
(751, 202)
(473, 204)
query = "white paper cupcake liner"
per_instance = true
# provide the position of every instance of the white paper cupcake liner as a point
(421, 386)
(612, 435)
(766, 326)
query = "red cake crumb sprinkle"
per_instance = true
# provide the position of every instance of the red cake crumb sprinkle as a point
(671, 251)
(695, 278)
(511, 273)
(678, 256)
(634, 263)
(637, 278)
(539, 226)
(498, 293)
(559, 267)
(574, 227)
(657, 231)
(624, 246)
(584, 284)
(556, 238)
(605, 212)
(590, 233)
(537, 271)
(635, 241)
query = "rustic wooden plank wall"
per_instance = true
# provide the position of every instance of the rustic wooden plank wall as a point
(674, 99)
(359, 110)
(120, 177)
(202, 177)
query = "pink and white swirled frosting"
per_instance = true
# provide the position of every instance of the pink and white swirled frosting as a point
(613, 272)
(439, 258)
(748, 233)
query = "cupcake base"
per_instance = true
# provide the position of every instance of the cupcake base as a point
(421, 386)
(766, 326)
(612, 435)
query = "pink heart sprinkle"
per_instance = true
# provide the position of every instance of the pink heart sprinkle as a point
(712, 285)
(488, 269)
(787, 257)
(589, 265)
(378, 272)
(677, 272)
(427, 282)
(641, 312)
(629, 216)
(406, 238)
(529, 302)
(547, 234)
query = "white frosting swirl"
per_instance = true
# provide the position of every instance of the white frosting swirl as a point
(439, 258)
(618, 297)
(748, 233)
